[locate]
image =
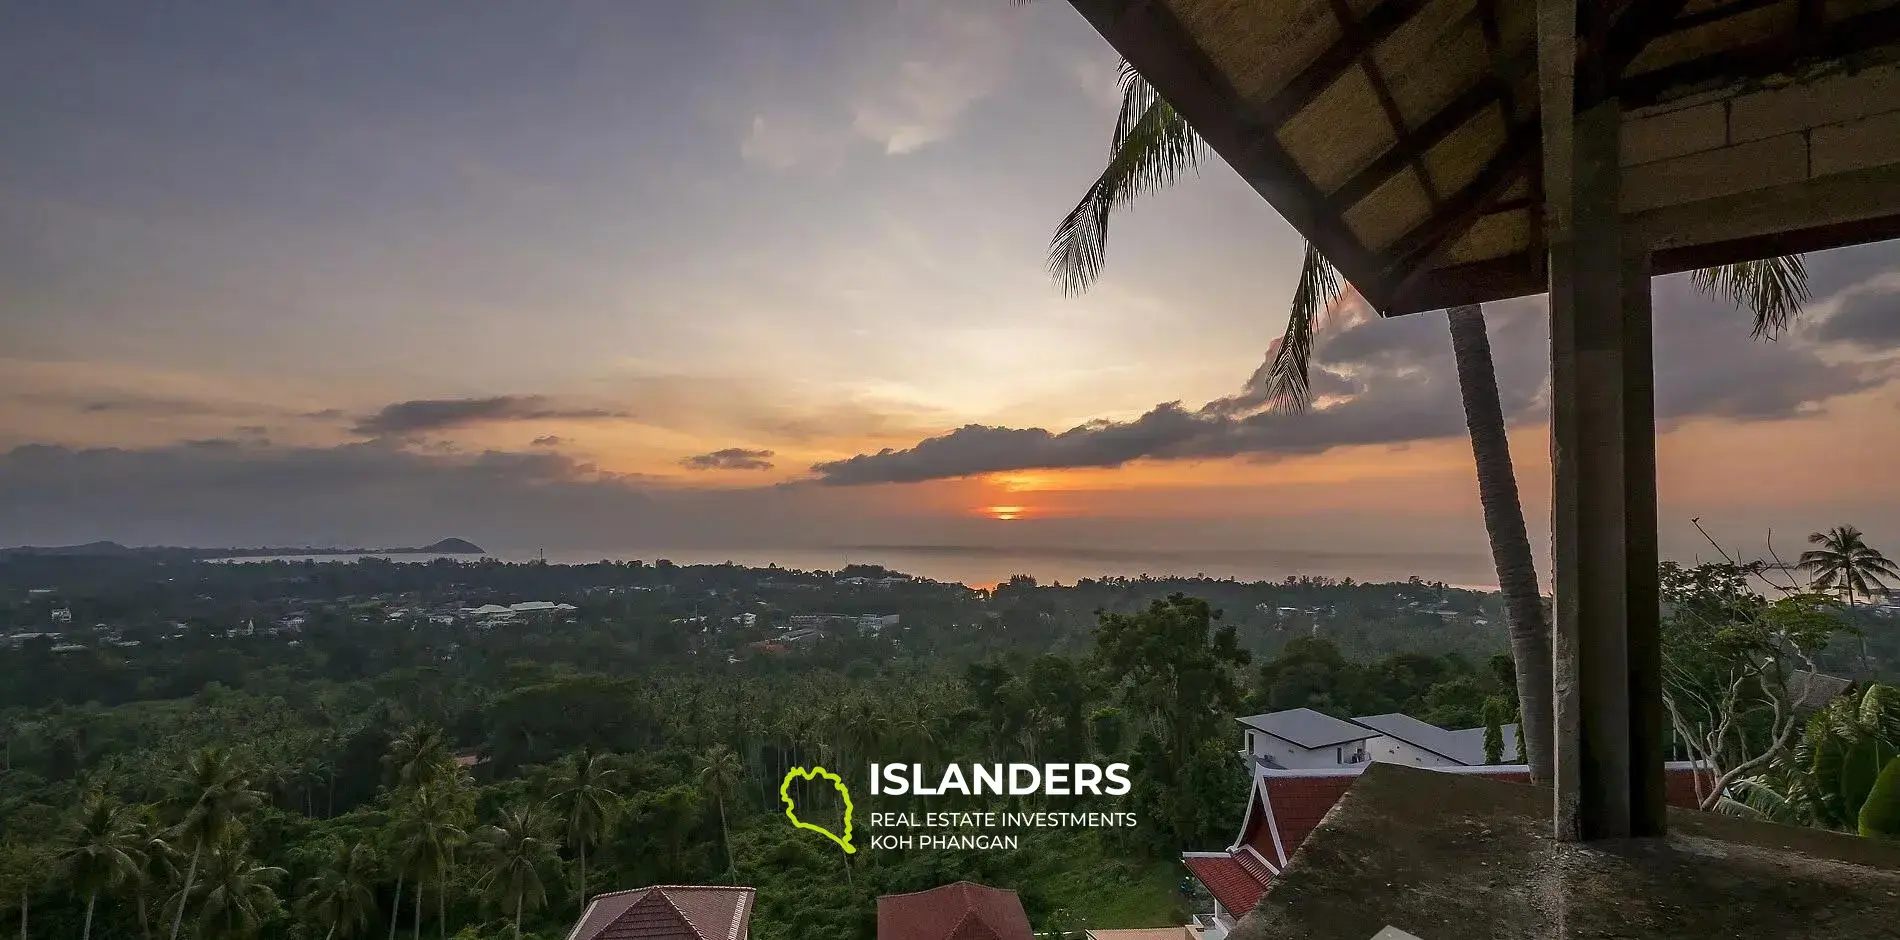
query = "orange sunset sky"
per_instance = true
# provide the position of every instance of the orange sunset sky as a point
(731, 276)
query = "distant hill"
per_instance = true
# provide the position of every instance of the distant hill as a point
(451, 547)
(90, 548)
(96, 549)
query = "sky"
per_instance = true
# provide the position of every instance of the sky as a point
(730, 275)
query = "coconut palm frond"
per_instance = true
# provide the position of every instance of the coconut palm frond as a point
(1289, 386)
(1154, 146)
(1774, 289)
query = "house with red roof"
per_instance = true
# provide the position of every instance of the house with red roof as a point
(667, 912)
(961, 911)
(1287, 803)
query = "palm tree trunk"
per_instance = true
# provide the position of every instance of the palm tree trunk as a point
(1510, 543)
(517, 915)
(145, 921)
(24, 899)
(583, 849)
(726, 834)
(191, 875)
(442, 908)
(395, 908)
(418, 929)
(92, 899)
(1851, 618)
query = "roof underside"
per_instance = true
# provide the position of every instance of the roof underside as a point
(1402, 137)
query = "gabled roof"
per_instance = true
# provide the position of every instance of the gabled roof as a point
(667, 912)
(1307, 728)
(1470, 743)
(1417, 733)
(1811, 691)
(961, 911)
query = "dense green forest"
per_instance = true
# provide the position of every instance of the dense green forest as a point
(193, 768)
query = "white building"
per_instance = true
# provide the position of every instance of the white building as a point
(1301, 738)
(1407, 740)
(62, 615)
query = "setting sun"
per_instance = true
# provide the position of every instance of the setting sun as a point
(1005, 513)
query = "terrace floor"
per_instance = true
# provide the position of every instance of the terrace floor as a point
(1457, 856)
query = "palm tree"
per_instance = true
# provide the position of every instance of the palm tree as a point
(340, 897)
(158, 867)
(427, 837)
(102, 850)
(215, 793)
(22, 872)
(720, 774)
(1153, 146)
(514, 850)
(586, 803)
(1846, 564)
(237, 893)
(420, 756)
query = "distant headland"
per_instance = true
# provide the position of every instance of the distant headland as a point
(449, 546)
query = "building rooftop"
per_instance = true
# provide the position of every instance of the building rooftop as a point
(1307, 728)
(1465, 747)
(961, 911)
(667, 912)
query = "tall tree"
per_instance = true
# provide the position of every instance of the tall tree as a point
(214, 794)
(420, 756)
(102, 850)
(1153, 146)
(427, 836)
(340, 897)
(238, 893)
(514, 851)
(719, 775)
(1846, 565)
(158, 867)
(587, 805)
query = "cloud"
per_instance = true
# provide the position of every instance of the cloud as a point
(731, 458)
(1866, 315)
(1393, 382)
(410, 417)
(904, 76)
(548, 440)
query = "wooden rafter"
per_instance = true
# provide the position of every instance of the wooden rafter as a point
(1700, 18)
(1488, 91)
(1355, 40)
(1415, 253)
(1414, 156)
(1841, 39)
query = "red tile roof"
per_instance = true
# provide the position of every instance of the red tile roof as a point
(667, 912)
(960, 911)
(1227, 880)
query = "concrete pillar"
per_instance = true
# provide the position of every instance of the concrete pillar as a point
(1607, 669)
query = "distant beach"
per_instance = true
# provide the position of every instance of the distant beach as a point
(985, 566)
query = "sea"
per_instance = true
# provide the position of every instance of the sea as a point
(986, 566)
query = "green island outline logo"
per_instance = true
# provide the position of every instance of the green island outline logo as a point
(791, 809)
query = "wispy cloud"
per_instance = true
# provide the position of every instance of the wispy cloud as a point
(412, 417)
